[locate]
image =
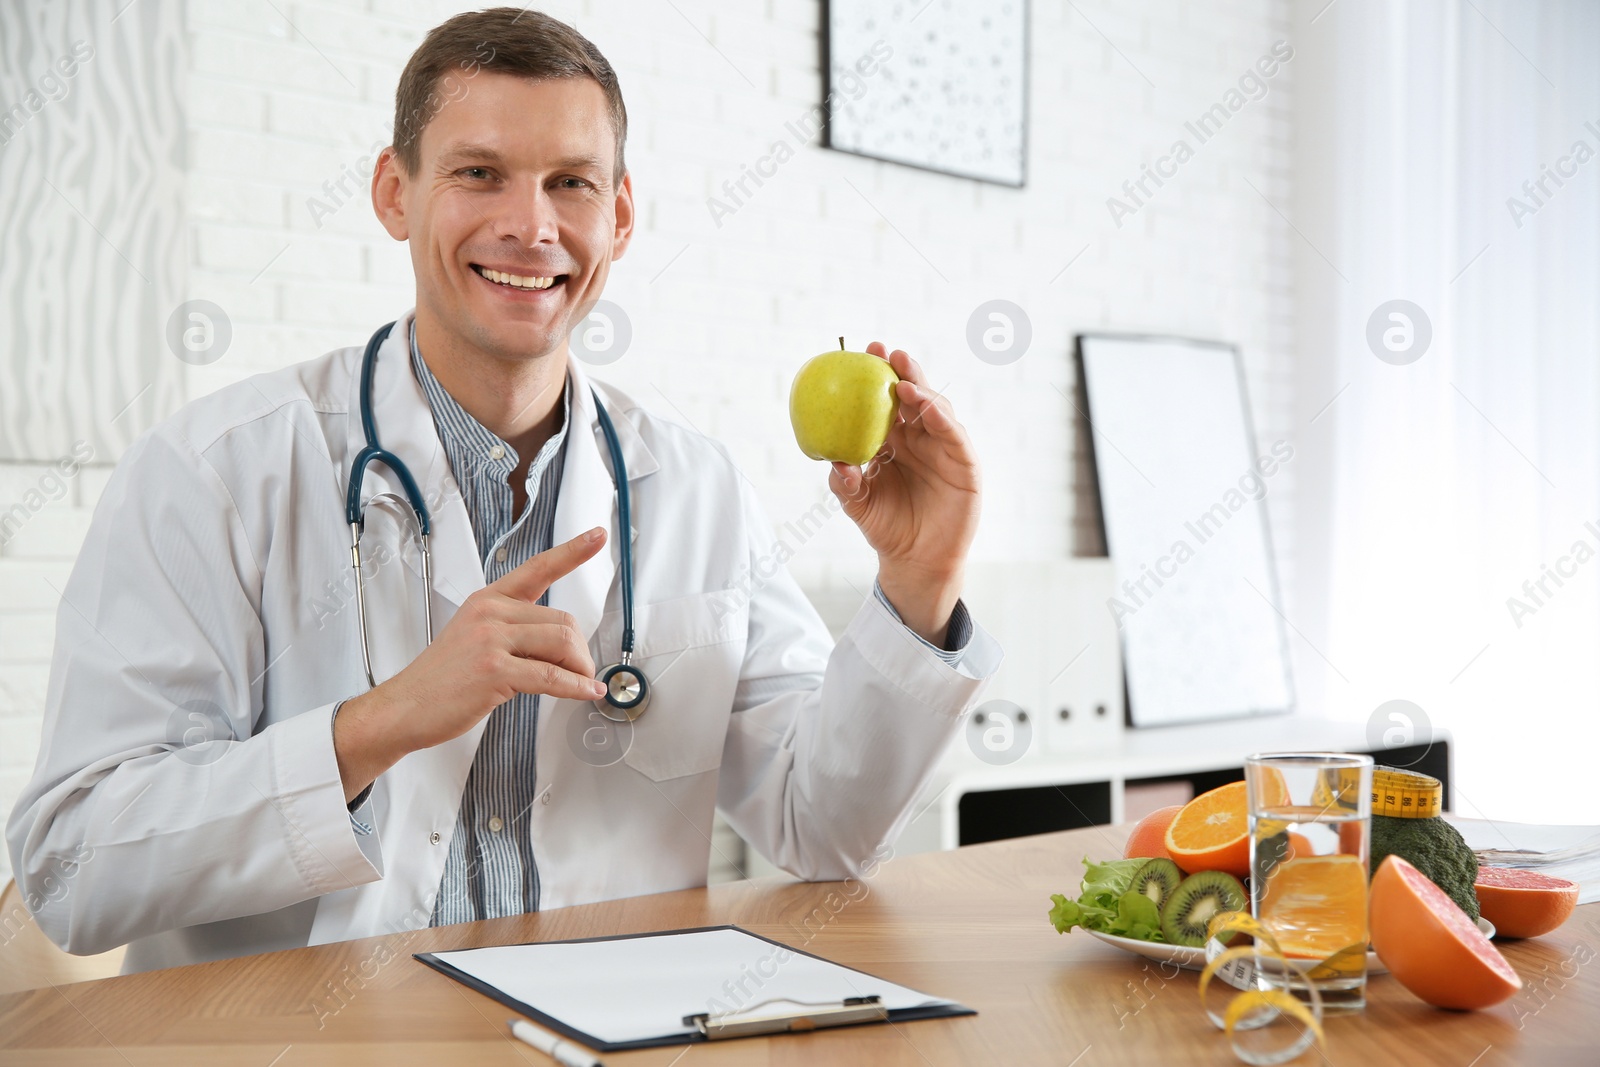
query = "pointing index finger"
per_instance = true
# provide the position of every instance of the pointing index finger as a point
(531, 578)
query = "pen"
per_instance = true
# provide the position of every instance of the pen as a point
(562, 1050)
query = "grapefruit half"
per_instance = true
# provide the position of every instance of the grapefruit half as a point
(1524, 903)
(1430, 945)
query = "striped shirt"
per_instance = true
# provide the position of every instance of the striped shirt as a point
(491, 870)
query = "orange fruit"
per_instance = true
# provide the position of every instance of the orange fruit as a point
(1524, 903)
(1317, 905)
(1300, 845)
(1149, 838)
(1350, 837)
(1429, 944)
(1212, 833)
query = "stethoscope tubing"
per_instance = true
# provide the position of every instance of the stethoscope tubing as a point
(627, 691)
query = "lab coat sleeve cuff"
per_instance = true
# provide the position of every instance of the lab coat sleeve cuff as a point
(309, 798)
(915, 666)
(355, 806)
(957, 633)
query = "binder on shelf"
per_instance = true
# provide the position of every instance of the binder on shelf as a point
(681, 986)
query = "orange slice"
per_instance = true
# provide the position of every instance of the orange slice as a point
(1274, 788)
(1317, 905)
(1212, 833)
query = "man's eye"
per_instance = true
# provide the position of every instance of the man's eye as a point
(476, 172)
(574, 182)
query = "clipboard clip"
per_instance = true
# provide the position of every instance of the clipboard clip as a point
(765, 1018)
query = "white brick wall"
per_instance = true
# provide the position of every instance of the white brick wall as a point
(723, 317)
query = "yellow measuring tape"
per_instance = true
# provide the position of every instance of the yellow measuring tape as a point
(1406, 794)
(1255, 1008)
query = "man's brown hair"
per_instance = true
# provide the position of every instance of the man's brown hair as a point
(504, 39)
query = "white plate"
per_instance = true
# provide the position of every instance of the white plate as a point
(1194, 959)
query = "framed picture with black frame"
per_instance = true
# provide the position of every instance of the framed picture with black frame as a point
(941, 86)
(1182, 491)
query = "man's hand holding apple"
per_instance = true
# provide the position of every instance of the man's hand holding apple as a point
(917, 502)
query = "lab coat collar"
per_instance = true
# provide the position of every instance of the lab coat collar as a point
(587, 498)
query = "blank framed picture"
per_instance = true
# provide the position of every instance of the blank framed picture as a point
(1183, 486)
(941, 85)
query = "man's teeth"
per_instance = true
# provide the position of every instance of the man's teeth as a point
(516, 280)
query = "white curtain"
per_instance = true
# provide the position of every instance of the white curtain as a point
(1439, 487)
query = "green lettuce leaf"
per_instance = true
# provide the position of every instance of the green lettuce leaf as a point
(1137, 917)
(1110, 879)
(1106, 904)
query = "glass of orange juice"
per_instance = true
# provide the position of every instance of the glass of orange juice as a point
(1310, 820)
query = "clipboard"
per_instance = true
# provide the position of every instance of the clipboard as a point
(679, 987)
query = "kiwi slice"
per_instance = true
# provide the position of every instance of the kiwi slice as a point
(1156, 880)
(1197, 900)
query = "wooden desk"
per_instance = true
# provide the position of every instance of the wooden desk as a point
(968, 924)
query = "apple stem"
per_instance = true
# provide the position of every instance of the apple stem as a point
(841, 344)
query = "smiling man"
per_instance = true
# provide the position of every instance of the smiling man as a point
(218, 777)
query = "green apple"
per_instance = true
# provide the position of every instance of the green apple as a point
(842, 405)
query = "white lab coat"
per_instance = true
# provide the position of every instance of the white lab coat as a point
(213, 599)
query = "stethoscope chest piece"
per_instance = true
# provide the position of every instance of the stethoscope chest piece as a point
(627, 693)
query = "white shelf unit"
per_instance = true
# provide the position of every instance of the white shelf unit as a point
(1172, 752)
(1062, 656)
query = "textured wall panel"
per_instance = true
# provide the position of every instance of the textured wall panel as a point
(92, 257)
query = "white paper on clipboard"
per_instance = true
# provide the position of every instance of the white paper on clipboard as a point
(630, 989)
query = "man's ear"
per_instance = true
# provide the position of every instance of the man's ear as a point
(388, 194)
(624, 231)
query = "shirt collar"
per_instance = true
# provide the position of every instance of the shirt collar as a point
(468, 442)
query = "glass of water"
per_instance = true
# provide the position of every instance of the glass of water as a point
(1310, 821)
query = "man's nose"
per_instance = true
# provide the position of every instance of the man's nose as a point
(530, 215)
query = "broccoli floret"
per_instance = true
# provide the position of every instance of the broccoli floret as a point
(1433, 847)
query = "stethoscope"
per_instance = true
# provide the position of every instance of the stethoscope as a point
(627, 692)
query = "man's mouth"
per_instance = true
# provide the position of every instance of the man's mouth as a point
(521, 282)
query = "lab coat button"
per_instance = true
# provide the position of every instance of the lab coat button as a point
(545, 797)
(495, 824)
(433, 838)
